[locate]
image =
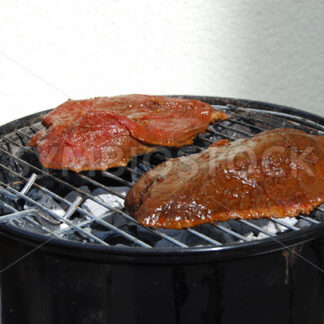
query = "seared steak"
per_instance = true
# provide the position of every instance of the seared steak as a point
(101, 133)
(276, 173)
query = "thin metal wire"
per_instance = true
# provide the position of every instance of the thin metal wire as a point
(204, 237)
(97, 200)
(7, 193)
(100, 202)
(321, 208)
(77, 202)
(105, 224)
(291, 227)
(53, 214)
(256, 227)
(171, 239)
(230, 232)
(210, 129)
(114, 177)
(309, 220)
(29, 184)
(286, 116)
(246, 124)
(18, 214)
(228, 125)
(38, 226)
(233, 130)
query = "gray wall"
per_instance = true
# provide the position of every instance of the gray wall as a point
(265, 50)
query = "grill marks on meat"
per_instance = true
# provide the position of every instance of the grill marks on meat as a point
(101, 133)
(277, 173)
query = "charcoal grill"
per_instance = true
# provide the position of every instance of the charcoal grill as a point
(93, 262)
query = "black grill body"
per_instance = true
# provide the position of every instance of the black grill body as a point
(280, 280)
(273, 287)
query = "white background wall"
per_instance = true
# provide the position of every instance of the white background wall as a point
(265, 50)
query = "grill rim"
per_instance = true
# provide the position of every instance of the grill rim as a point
(174, 254)
(260, 105)
(191, 255)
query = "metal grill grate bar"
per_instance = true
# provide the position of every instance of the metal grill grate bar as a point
(111, 227)
(228, 231)
(278, 221)
(214, 131)
(172, 240)
(204, 237)
(309, 220)
(233, 130)
(256, 227)
(39, 227)
(300, 120)
(246, 123)
(17, 215)
(114, 177)
(243, 122)
(51, 213)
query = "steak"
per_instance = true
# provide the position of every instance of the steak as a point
(105, 132)
(276, 173)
